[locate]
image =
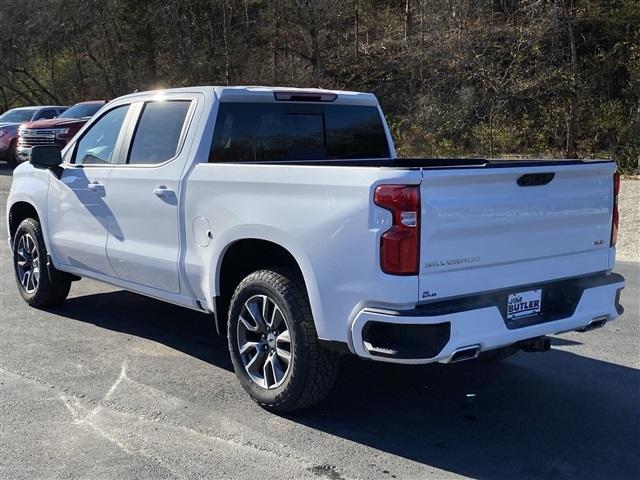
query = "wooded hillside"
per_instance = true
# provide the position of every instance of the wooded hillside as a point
(455, 77)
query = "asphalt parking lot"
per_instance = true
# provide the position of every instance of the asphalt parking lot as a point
(112, 384)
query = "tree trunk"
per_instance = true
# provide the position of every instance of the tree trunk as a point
(225, 39)
(421, 56)
(491, 131)
(356, 39)
(5, 102)
(572, 120)
(78, 64)
(310, 34)
(408, 19)
(275, 19)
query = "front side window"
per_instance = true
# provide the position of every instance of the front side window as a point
(248, 132)
(158, 132)
(98, 144)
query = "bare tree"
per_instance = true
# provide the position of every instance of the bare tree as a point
(567, 9)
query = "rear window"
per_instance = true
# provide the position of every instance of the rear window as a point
(247, 132)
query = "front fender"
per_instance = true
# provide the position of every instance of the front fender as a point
(30, 185)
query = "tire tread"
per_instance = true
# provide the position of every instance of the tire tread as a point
(317, 379)
(51, 291)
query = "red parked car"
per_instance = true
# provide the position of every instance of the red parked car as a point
(10, 122)
(57, 131)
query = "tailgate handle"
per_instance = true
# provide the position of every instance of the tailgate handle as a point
(535, 179)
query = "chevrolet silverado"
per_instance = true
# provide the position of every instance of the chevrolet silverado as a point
(285, 215)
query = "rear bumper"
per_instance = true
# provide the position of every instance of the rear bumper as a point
(434, 332)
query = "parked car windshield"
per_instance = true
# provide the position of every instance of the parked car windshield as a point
(248, 132)
(17, 115)
(82, 110)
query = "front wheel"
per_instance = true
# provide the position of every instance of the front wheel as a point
(38, 285)
(12, 156)
(273, 343)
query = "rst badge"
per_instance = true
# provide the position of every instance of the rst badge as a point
(524, 303)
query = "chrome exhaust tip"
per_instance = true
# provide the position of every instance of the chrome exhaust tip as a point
(465, 353)
(596, 322)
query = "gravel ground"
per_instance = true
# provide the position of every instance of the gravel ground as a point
(628, 247)
(115, 385)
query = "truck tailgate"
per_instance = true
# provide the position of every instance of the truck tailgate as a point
(483, 230)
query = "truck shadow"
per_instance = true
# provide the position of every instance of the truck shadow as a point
(185, 330)
(552, 415)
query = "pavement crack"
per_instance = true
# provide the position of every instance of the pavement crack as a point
(88, 411)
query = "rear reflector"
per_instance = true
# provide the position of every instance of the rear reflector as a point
(614, 223)
(400, 245)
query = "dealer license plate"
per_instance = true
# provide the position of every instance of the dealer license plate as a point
(524, 304)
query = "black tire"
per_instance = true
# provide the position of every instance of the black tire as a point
(499, 354)
(52, 286)
(12, 159)
(312, 370)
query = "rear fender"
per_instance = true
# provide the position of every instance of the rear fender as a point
(273, 235)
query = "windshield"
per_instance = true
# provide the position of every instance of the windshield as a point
(82, 110)
(17, 115)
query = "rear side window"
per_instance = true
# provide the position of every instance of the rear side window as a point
(158, 132)
(248, 132)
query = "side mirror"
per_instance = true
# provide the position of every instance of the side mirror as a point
(45, 156)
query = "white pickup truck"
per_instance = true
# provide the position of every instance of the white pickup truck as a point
(285, 215)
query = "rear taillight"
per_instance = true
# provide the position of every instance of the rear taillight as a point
(400, 245)
(614, 223)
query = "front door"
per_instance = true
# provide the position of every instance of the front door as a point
(144, 197)
(78, 216)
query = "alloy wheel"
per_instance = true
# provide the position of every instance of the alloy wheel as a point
(28, 263)
(264, 342)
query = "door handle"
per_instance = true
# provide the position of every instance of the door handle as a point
(93, 186)
(162, 190)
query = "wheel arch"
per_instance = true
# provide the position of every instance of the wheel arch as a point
(244, 256)
(19, 211)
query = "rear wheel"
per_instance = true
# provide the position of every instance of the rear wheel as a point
(39, 285)
(273, 343)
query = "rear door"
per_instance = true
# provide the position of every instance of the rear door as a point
(144, 195)
(492, 227)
